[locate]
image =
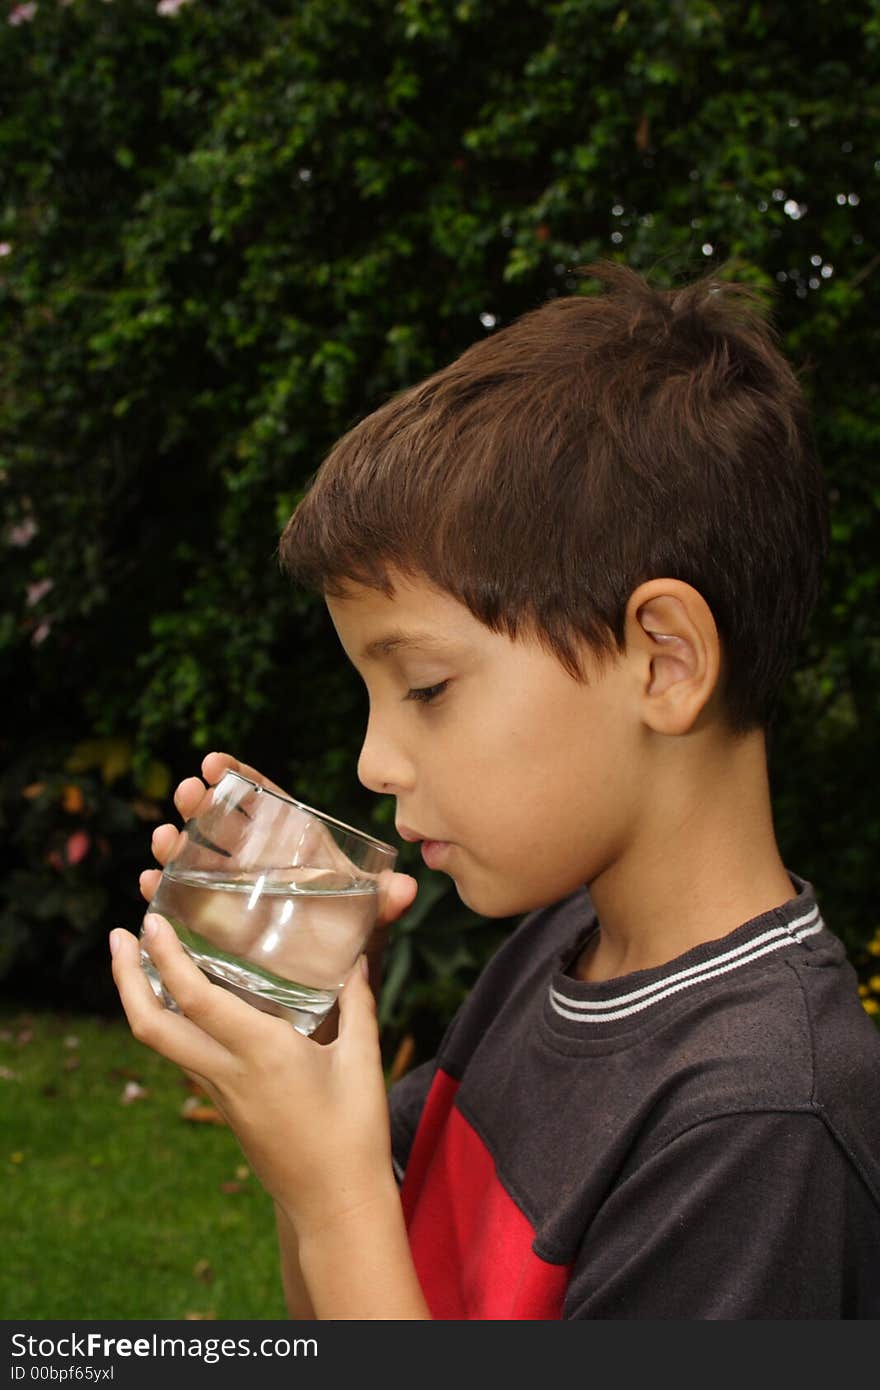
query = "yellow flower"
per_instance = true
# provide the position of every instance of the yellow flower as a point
(871, 1006)
(864, 991)
(874, 947)
(874, 983)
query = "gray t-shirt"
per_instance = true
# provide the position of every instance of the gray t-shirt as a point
(696, 1141)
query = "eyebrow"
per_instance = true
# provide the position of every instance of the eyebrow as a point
(399, 640)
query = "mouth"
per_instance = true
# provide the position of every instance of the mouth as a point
(434, 852)
(406, 834)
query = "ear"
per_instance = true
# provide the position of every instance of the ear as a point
(671, 634)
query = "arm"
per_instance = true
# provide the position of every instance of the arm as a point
(745, 1216)
(187, 796)
(359, 1266)
(332, 1177)
(296, 1294)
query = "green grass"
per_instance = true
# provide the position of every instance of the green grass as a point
(114, 1210)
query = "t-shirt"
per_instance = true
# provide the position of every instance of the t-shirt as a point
(695, 1141)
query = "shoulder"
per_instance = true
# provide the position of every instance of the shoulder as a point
(785, 1036)
(742, 1216)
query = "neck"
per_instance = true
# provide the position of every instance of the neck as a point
(704, 860)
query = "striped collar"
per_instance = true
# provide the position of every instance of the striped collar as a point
(633, 997)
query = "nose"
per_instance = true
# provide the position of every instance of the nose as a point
(384, 766)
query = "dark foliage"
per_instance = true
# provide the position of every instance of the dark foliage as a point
(230, 231)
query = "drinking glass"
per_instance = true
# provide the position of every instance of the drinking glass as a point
(272, 899)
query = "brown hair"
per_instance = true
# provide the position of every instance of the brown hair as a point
(596, 442)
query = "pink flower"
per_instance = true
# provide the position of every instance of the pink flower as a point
(6, 246)
(24, 532)
(38, 591)
(77, 847)
(169, 8)
(22, 14)
(40, 634)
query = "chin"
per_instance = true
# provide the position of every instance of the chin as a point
(501, 902)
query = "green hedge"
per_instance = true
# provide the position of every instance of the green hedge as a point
(229, 231)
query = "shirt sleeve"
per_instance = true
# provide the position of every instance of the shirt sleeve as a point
(742, 1217)
(406, 1101)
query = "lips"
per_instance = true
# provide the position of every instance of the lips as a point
(433, 851)
(406, 834)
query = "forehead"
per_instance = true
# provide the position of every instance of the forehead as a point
(417, 617)
(372, 624)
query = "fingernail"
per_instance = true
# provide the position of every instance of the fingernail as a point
(114, 940)
(151, 926)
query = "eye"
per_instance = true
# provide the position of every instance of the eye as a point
(427, 693)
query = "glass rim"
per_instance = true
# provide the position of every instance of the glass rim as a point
(319, 815)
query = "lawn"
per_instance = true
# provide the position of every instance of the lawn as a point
(120, 1197)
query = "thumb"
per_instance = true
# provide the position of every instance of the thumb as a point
(396, 894)
(358, 1026)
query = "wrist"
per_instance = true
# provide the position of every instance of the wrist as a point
(356, 1262)
(326, 1219)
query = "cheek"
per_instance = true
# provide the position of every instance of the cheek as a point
(536, 810)
(524, 806)
(535, 766)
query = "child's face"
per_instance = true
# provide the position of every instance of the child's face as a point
(522, 781)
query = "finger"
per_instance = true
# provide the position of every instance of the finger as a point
(227, 1019)
(163, 842)
(187, 795)
(358, 1027)
(149, 882)
(166, 1032)
(396, 893)
(215, 764)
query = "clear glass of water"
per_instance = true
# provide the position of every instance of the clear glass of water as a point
(273, 900)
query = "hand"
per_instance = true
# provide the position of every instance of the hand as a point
(187, 796)
(312, 1121)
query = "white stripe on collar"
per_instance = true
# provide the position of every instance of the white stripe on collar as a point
(622, 1005)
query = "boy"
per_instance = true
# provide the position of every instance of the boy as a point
(572, 569)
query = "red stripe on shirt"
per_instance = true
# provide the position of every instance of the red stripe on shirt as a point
(471, 1244)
